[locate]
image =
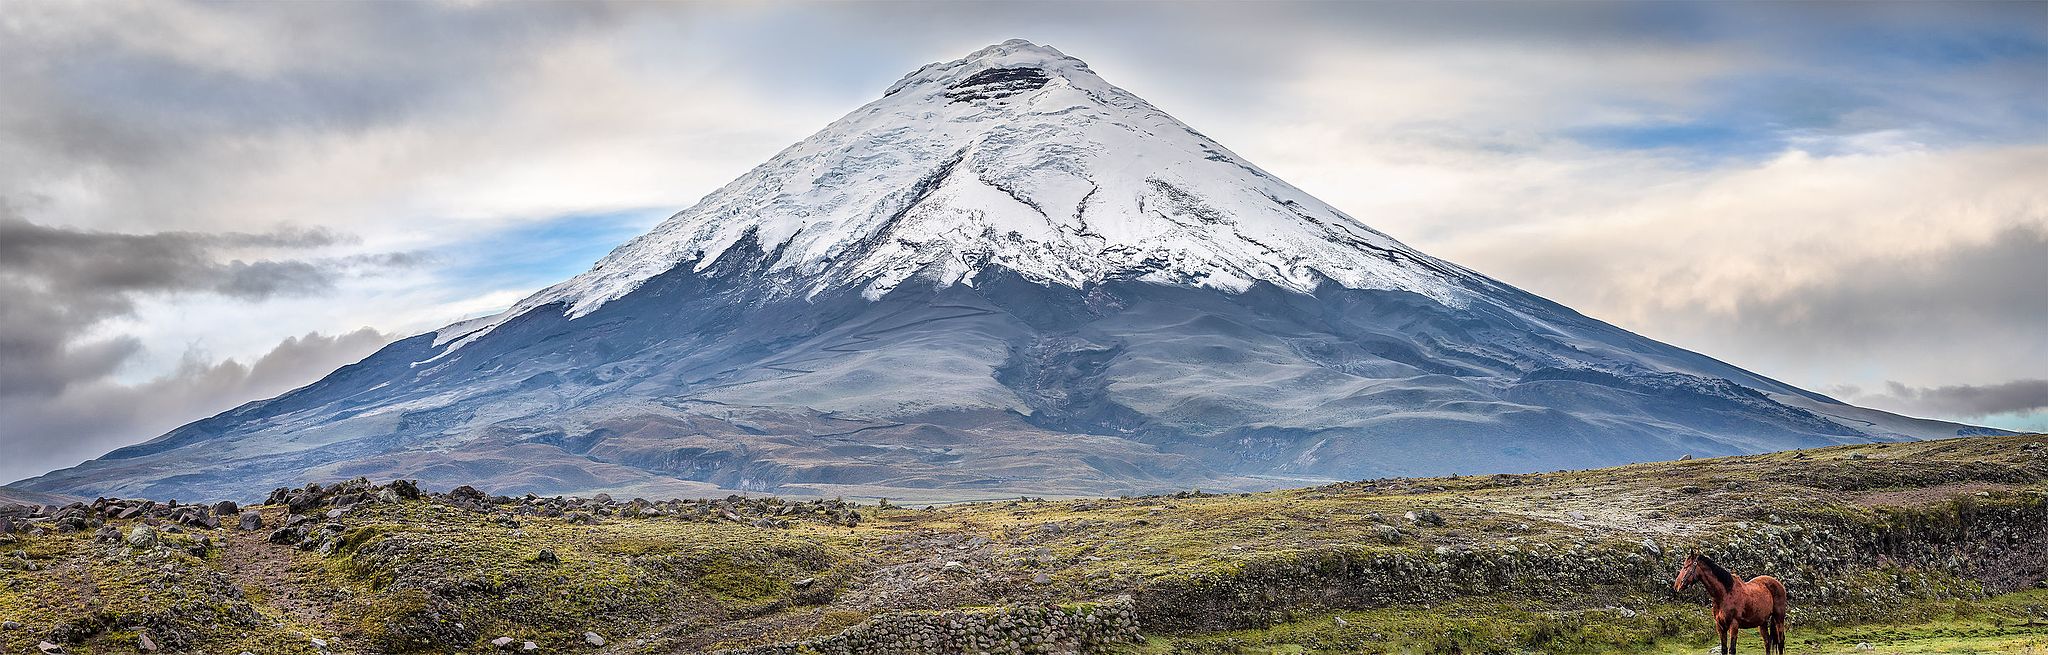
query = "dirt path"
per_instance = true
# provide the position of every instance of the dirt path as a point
(280, 581)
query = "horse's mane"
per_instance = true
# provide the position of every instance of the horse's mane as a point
(1727, 579)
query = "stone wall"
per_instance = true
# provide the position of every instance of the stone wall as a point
(1049, 629)
(1836, 567)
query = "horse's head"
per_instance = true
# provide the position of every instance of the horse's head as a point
(1687, 574)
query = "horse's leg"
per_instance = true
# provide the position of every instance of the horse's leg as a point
(1734, 630)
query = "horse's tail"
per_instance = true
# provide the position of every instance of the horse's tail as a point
(1780, 604)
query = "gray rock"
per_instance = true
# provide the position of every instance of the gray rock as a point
(142, 536)
(287, 536)
(48, 648)
(529, 647)
(503, 643)
(10, 625)
(251, 521)
(593, 639)
(1576, 515)
(226, 508)
(144, 643)
(547, 556)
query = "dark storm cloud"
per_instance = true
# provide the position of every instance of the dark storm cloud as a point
(92, 263)
(59, 283)
(2021, 397)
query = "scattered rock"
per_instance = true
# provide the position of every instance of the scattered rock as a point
(1576, 515)
(1424, 517)
(225, 508)
(1041, 578)
(48, 648)
(1387, 533)
(503, 643)
(546, 556)
(592, 639)
(251, 521)
(144, 643)
(142, 536)
(529, 647)
(1340, 621)
(1685, 457)
(287, 535)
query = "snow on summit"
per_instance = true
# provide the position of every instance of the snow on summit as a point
(1020, 157)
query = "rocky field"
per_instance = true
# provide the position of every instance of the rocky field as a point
(1914, 547)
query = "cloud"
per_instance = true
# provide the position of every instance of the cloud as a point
(2018, 397)
(61, 283)
(71, 261)
(59, 386)
(95, 415)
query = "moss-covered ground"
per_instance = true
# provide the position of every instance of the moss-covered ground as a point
(1253, 573)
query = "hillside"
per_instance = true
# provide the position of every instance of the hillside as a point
(1911, 547)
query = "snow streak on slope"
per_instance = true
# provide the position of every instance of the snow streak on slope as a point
(1018, 157)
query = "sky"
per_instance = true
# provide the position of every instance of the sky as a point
(203, 205)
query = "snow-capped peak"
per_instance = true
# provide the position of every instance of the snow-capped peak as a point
(1019, 157)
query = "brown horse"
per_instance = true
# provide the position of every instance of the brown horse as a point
(1759, 603)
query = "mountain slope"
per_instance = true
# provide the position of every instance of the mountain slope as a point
(1005, 276)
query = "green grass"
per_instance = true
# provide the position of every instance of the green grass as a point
(1258, 573)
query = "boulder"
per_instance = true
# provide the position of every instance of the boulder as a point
(287, 535)
(142, 536)
(251, 521)
(593, 639)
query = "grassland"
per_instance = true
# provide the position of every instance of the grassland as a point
(1929, 547)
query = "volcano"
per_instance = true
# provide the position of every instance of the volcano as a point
(1005, 276)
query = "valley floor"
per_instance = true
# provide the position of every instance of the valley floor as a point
(1927, 547)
